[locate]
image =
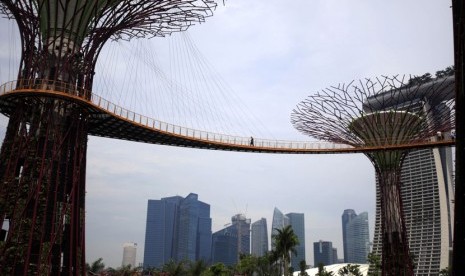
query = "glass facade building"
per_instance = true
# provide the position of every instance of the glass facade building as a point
(177, 229)
(324, 253)
(357, 239)
(297, 222)
(279, 222)
(259, 238)
(347, 216)
(230, 242)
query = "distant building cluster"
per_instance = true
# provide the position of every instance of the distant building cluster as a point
(179, 228)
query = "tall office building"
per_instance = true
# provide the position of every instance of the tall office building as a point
(356, 240)
(230, 242)
(129, 254)
(347, 216)
(324, 253)
(297, 221)
(259, 238)
(279, 222)
(427, 194)
(177, 229)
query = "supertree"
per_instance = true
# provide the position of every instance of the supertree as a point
(43, 156)
(375, 114)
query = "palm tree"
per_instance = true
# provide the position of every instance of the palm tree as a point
(350, 270)
(285, 242)
(322, 271)
(375, 264)
(303, 268)
(96, 267)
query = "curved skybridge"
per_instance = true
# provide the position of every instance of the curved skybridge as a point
(109, 120)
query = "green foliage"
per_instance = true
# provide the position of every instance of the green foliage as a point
(350, 270)
(417, 80)
(285, 242)
(375, 264)
(449, 71)
(197, 268)
(96, 267)
(267, 264)
(322, 271)
(219, 269)
(445, 271)
(247, 265)
(303, 267)
(174, 269)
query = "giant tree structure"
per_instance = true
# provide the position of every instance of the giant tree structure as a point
(374, 114)
(43, 156)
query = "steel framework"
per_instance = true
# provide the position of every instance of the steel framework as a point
(43, 156)
(381, 112)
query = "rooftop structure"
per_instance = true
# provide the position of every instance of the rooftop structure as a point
(358, 115)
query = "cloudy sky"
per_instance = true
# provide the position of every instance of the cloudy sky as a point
(271, 55)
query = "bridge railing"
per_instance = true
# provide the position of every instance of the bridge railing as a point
(176, 130)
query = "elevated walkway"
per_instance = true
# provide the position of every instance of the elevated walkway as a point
(112, 121)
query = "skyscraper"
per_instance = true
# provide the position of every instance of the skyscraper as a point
(230, 242)
(259, 238)
(279, 222)
(129, 254)
(297, 222)
(347, 216)
(177, 229)
(427, 194)
(356, 240)
(324, 253)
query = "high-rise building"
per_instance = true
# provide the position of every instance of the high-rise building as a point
(297, 222)
(279, 222)
(335, 258)
(356, 239)
(259, 238)
(177, 229)
(347, 216)
(324, 253)
(230, 242)
(427, 194)
(129, 254)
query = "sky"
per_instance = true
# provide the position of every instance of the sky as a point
(272, 55)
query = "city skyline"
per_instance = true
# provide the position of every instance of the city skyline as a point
(271, 65)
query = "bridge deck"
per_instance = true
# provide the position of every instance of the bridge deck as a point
(112, 121)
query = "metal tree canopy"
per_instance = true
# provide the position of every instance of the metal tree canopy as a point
(382, 112)
(43, 156)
